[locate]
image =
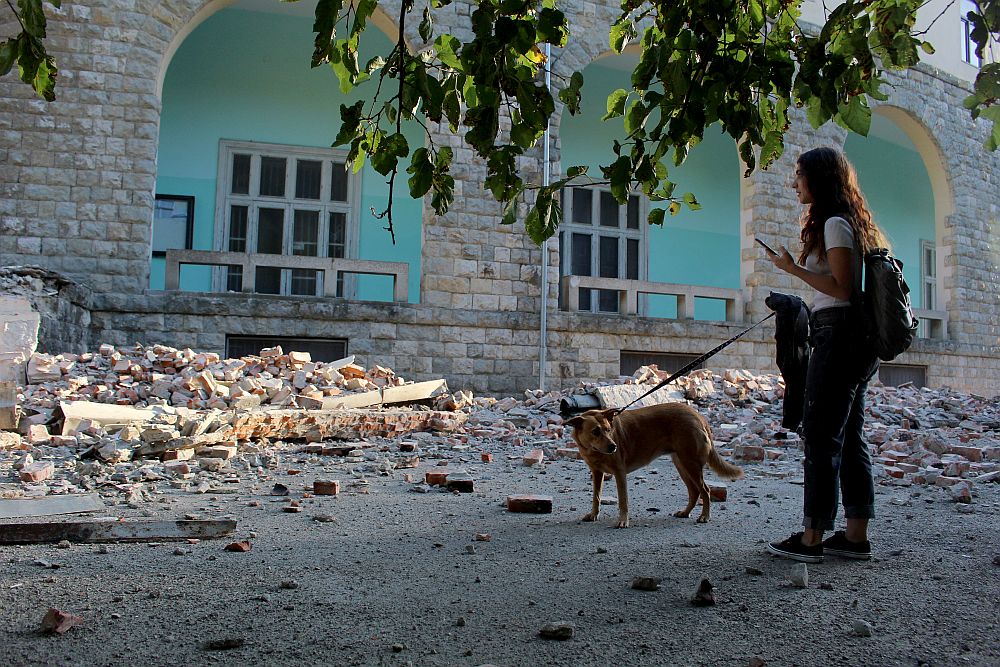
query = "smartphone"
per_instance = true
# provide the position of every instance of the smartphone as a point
(765, 246)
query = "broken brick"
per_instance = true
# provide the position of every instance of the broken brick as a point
(718, 492)
(436, 477)
(534, 457)
(239, 547)
(326, 487)
(38, 471)
(529, 504)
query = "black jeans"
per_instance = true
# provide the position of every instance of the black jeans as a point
(837, 460)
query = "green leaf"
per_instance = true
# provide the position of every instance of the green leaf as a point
(551, 27)
(375, 64)
(44, 82)
(447, 48)
(656, 216)
(510, 212)
(621, 33)
(363, 9)
(620, 175)
(855, 115)
(927, 48)
(616, 104)
(691, 201)
(772, 149)
(675, 207)
(8, 53)
(570, 95)
(987, 84)
(387, 152)
(426, 28)
(576, 170)
(32, 17)
(993, 140)
(350, 123)
(325, 27)
(421, 173)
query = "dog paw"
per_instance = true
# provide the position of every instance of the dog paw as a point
(681, 514)
(590, 517)
(703, 519)
(622, 523)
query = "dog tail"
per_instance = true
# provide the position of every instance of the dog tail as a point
(723, 468)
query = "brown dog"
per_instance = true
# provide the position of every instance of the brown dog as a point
(619, 443)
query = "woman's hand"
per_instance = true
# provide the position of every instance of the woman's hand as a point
(782, 259)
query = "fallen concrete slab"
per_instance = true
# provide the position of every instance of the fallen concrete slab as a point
(114, 531)
(50, 505)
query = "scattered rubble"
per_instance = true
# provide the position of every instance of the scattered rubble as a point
(135, 423)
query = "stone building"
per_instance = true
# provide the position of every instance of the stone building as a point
(190, 137)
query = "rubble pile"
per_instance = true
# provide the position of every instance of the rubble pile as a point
(160, 375)
(139, 422)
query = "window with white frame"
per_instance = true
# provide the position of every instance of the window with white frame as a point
(928, 283)
(928, 275)
(600, 237)
(968, 46)
(285, 200)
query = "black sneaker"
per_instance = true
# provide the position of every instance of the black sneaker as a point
(794, 549)
(839, 545)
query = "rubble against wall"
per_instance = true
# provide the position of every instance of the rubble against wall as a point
(207, 422)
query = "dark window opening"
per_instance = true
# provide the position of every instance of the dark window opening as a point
(666, 361)
(320, 349)
(894, 375)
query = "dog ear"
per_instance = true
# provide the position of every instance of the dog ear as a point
(610, 414)
(575, 422)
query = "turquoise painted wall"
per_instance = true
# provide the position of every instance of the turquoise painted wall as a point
(902, 203)
(245, 76)
(694, 247)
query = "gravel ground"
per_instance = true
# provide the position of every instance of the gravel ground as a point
(398, 578)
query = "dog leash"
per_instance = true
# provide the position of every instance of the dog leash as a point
(687, 369)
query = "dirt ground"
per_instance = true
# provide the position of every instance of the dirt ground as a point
(398, 578)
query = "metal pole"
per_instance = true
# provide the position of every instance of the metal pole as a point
(544, 279)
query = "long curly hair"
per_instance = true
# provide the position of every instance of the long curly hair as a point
(833, 185)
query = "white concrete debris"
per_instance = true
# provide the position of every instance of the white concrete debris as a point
(162, 420)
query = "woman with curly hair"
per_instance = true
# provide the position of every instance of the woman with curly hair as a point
(837, 231)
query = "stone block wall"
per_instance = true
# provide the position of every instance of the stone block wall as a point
(489, 352)
(77, 180)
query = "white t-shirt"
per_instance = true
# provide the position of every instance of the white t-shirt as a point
(837, 233)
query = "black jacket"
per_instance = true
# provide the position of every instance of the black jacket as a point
(791, 337)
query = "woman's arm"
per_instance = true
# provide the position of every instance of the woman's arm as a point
(839, 285)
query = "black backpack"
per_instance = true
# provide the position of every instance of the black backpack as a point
(892, 326)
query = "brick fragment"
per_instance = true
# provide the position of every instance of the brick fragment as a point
(436, 477)
(326, 487)
(38, 434)
(461, 483)
(38, 471)
(974, 454)
(568, 453)
(534, 457)
(529, 504)
(486, 457)
(748, 452)
(718, 492)
(239, 547)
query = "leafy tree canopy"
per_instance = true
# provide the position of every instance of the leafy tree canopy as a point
(739, 63)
